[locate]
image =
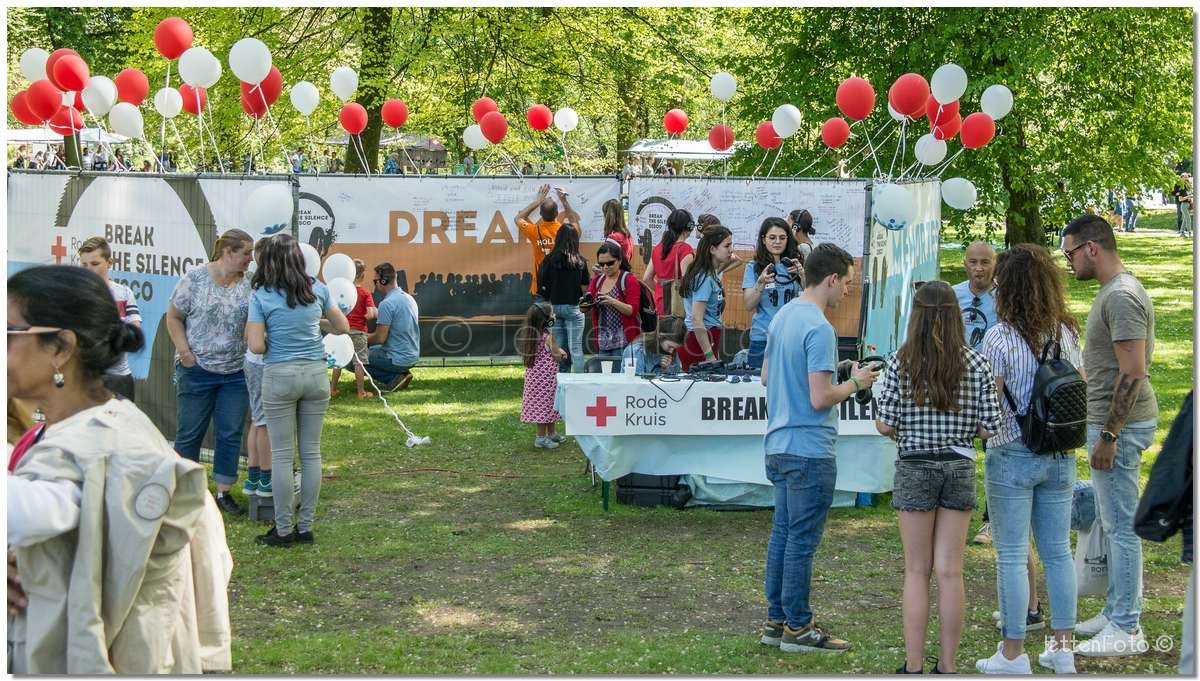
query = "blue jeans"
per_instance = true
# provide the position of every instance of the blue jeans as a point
(568, 333)
(757, 352)
(1024, 488)
(1117, 500)
(803, 495)
(381, 368)
(202, 396)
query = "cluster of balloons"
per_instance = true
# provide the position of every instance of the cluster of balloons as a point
(338, 273)
(491, 127)
(720, 137)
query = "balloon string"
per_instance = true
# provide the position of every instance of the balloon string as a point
(812, 164)
(899, 146)
(186, 156)
(777, 155)
(216, 149)
(942, 168)
(360, 155)
(162, 139)
(416, 169)
(511, 163)
(274, 128)
(871, 147)
(379, 393)
(766, 154)
(100, 136)
(861, 150)
(566, 156)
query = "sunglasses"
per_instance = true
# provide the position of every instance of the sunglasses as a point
(18, 330)
(1071, 252)
(610, 263)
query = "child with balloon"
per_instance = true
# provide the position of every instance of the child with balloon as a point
(364, 309)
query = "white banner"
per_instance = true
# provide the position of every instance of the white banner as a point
(613, 404)
(838, 207)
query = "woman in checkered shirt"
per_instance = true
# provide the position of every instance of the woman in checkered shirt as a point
(937, 396)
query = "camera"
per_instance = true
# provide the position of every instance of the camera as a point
(787, 262)
(863, 396)
(587, 300)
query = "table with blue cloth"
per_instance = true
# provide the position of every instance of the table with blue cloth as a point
(710, 431)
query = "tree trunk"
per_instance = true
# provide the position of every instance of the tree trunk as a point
(1022, 218)
(374, 71)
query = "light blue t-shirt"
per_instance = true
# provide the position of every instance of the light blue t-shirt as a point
(648, 362)
(979, 312)
(707, 289)
(799, 341)
(293, 333)
(773, 297)
(398, 312)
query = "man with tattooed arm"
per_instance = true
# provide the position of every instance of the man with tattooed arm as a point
(1122, 416)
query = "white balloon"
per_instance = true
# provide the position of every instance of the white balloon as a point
(338, 266)
(343, 81)
(473, 137)
(68, 98)
(997, 101)
(958, 193)
(565, 119)
(168, 102)
(343, 293)
(896, 115)
(33, 63)
(250, 60)
(948, 83)
(723, 86)
(268, 210)
(125, 119)
(99, 95)
(339, 349)
(312, 260)
(892, 206)
(214, 72)
(930, 150)
(786, 120)
(196, 65)
(304, 97)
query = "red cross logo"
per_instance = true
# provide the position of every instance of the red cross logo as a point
(58, 250)
(601, 411)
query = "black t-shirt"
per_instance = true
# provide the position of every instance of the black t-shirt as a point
(561, 286)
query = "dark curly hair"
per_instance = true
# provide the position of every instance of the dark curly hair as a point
(1031, 297)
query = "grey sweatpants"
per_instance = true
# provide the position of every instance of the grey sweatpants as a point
(295, 396)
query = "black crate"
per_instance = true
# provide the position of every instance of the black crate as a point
(637, 489)
(669, 482)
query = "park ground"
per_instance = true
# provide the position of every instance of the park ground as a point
(478, 554)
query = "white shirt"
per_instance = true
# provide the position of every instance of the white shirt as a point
(1013, 361)
(128, 310)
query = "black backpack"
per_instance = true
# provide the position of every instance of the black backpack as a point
(647, 313)
(1056, 420)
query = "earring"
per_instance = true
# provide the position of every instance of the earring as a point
(59, 379)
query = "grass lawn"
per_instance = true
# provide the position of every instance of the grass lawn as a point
(478, 554)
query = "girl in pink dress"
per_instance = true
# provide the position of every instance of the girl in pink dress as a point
(541, 356)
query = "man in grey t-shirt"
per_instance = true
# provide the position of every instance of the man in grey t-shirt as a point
(1122, 417)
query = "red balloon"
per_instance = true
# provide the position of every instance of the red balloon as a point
(172, 37)
(539, 116)
(766, 136)
(78, 103)
(21, 110)
(394, 112)
(947, 111)
(720, 137)
(71, 73)
(977, 130)
(271, 87)
(253, 105)
(43, 99)
(494, 126)
(189, 95)
(676, 121)
(835, 132)
(66, 121)
(948, 129)
(353, 117)
(855, 98)
(482, 107)
(132, 86)
(909, 94)
(52, 60)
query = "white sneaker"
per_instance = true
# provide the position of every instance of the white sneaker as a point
(1061, 661)
(1112, 641)
(999, 664)
(1093, 626)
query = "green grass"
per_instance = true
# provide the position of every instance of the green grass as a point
(478, 554)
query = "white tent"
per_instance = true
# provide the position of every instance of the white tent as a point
(404, 140)
(683, 150)
(48, 136)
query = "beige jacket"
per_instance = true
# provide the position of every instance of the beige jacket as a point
(140, 586)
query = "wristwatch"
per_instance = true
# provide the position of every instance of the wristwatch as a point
(1108, 436)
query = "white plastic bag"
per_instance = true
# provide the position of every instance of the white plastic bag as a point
(1091, 561)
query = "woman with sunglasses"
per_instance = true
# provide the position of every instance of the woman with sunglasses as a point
(769, 284)
(669, 260)
(615, 297)
(97, 476)
(704, 297)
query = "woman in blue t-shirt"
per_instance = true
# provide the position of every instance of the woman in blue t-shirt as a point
(769, 283)
(703, 297)
(284, 323)
(654, 352)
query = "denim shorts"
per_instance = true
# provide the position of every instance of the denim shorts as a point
(922, 485)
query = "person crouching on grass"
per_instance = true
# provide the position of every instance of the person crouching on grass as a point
(937, 394)
(541, 356)
(363, 310)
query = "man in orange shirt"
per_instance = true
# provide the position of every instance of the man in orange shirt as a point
(541, 235)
